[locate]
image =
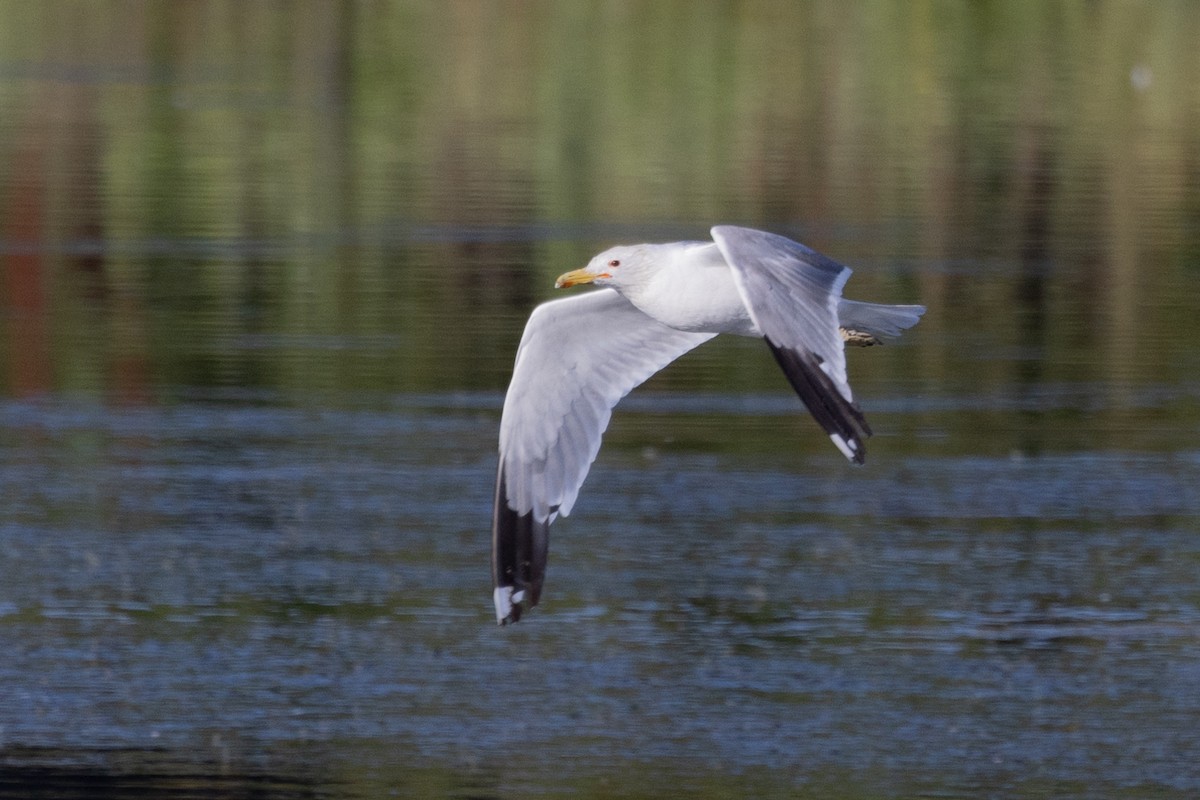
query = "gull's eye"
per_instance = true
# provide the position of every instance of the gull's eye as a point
(614, 263)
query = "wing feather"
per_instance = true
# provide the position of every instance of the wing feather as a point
(577, 358)
(793, 292)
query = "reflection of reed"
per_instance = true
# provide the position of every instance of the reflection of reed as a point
(50, 198)
(1002, 153)
(25, 302)
(1030, 283)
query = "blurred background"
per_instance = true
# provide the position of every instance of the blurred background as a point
(263, 269)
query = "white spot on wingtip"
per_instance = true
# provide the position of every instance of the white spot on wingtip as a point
(849, 449)
(505, 598)
(502, 597)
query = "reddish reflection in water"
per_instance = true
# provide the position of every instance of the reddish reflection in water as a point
(23, 268)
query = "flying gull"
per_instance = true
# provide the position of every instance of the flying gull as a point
(580, 355)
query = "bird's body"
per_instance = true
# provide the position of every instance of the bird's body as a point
(692, 290)
(580, 355)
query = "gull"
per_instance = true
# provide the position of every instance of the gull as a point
(580, 355)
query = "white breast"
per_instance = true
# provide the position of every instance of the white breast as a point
(693, 290)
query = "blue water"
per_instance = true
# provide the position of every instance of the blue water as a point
(294, 595)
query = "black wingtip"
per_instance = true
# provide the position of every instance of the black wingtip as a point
(520, 545)
(840, 418)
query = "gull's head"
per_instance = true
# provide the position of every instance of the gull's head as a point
(616, 267)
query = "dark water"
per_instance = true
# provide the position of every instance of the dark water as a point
(256, 599)
(262, 273)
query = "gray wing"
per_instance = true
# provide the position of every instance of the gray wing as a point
(879, 321)
(577, 358)
(792, 293)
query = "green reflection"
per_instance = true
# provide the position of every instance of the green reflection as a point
(352, 198)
